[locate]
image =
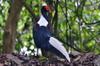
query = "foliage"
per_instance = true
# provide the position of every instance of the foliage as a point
(78, 23)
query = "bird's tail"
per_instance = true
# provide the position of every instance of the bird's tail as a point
(59, 46)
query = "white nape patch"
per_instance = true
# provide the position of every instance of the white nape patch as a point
(58, 45)
(42, 21)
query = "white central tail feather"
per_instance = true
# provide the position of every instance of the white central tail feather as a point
(59, 46)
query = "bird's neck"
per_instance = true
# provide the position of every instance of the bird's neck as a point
(46, 15)
(42, 21)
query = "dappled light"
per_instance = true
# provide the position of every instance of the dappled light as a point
(71, 26)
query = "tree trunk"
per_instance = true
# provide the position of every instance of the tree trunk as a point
(10, 27)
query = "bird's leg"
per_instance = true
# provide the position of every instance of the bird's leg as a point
(37, 51)
(37, 54)
(50, 56)
(44, 52)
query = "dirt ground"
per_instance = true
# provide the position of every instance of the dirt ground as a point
(77, 59)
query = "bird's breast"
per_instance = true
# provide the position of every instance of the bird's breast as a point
(41, 37)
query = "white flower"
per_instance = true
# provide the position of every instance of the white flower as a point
(23, 50)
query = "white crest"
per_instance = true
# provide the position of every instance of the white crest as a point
(42, 21)
(58, 45)
(44, 4)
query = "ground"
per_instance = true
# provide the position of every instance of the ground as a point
(77, 59)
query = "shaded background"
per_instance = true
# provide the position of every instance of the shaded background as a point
(74, 22)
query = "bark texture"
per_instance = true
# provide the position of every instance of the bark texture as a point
(10, 27)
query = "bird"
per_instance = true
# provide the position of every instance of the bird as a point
(43, 37)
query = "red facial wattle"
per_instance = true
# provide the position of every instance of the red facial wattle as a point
(47, 8)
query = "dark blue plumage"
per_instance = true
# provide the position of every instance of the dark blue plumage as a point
(43, 37)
